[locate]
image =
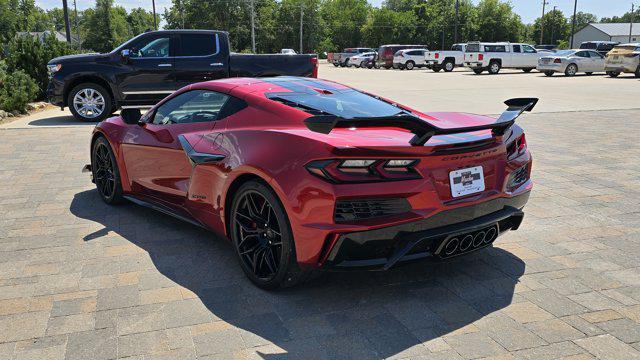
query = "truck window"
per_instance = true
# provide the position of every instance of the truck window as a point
(473, 48)
(197, 45)
(495, 48)
(456, 48)
(517, 49)
(528, 49)
(151, 47)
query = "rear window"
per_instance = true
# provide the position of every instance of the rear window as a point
(473, 48)
(495, 48)
(592, 46)
(456, 48)
(347, 104)
(197, 45)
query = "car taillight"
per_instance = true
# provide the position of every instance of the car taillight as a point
(517, 148)
(364, 170)
(314, 62)
(480, 57)
(557, 60)
(437, 55)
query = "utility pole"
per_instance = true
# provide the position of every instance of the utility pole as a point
(631, 21)
(75, 11)
(553, 26)
(253, 29)
(573, 22)
(301, 16)
(67, 26)
(455, 29)
(155, 25)
(544, 2)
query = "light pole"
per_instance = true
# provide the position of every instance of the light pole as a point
(455, 29)
(573, 22)
(67, 26)
(631, 22)
(544, 2)
(553, 26)
(155, 25)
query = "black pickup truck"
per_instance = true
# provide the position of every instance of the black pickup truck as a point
(145, 69)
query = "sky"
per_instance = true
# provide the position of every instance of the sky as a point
(528, 10)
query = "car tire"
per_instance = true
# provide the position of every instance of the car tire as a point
(266, 253)
(571, 70)
(448, 66)
(336, 64)
(85, 98)
(477, 71)
(527, 70)
(106, 174)
(410, 65)
(613, 74)
(548, 73)
(494, 67)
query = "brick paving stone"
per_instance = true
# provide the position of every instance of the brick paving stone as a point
(95, 344)
(474, 345)
(554, 330)
(607, 347)
(559, 350)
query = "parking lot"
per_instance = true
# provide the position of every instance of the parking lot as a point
(82, 280)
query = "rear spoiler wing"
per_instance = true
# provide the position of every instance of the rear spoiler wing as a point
(421, 129)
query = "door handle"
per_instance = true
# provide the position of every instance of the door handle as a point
(216, 64)
(164, 65)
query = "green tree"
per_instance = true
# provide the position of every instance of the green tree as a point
(343, 20)
(8, 19)
(583, 19)
(106, 26)
(556, 28)
(140, 20)
(497, 22)
(624, 18)
(385, 26)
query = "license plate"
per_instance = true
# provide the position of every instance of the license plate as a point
(466, 181)
(545, 61)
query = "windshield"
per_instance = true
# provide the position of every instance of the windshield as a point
(564, 52)
(347, 104)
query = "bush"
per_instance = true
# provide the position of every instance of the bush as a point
(27, 53)
(17, 89)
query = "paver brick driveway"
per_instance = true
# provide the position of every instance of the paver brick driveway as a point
(82, 280)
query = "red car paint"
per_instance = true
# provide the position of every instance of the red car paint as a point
(269, 140)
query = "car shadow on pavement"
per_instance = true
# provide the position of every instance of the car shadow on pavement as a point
(60, 121)
(338, 315)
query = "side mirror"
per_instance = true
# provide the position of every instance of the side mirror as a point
(130, 116)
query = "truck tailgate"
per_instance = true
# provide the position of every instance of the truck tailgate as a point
(252, 65)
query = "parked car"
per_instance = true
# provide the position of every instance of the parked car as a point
(361, 60)
(288, 51)
(603, 47)
(570, 62)
(623, 58)
(386, 53)
(399, 189)
(495, 56)
(342, 59)
(409, 58)
(446, 60)
(145, 69)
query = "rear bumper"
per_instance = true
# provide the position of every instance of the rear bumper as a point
(383, 248)
(474, 64)
(629, 68)
(551, 67)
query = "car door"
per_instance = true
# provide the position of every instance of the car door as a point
(529, 56)
(517, 58)
(199, 57)
(147, 75)
(156, 163)
(597, 61)
(582, 59)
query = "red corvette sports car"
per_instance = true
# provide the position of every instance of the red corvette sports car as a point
(303, 174)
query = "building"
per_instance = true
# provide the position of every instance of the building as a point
(618, 32)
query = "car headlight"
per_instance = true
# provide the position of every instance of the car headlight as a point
(53, 68)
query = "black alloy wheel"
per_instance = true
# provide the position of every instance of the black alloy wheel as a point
(262, 238)
(105, 172)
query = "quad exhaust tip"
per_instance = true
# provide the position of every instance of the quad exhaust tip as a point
(454, 246)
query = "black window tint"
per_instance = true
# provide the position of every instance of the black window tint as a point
(197, 45)
(584, 54)
(473, 47)
(190, 107)
(596, 55)
(495, 48)
(516, 49)
(150, 47)
(456, 48)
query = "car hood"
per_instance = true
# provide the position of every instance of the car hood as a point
(77, 58)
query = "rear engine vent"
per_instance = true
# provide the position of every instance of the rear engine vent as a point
(360, 209)
(518, 177)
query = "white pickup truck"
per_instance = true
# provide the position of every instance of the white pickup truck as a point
(446, 60)
(495, 56)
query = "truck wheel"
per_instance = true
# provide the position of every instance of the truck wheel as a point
(527, 70)
(613, 73)
(571, 70)
(494, 67)
(449, 65)
(548, 73)
(477, 71)
(90, 102)
(336, 64)
(410, 65)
